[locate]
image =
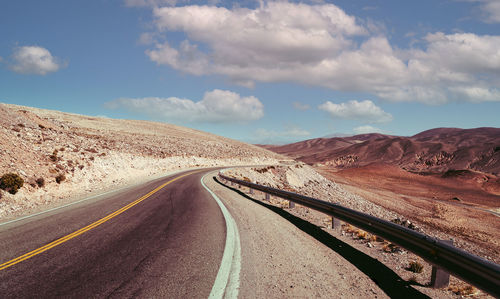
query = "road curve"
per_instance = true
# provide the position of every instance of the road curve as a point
(167, 244)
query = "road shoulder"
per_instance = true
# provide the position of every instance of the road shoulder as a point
(280, 260)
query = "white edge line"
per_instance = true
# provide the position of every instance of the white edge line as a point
(91, 197)
(227, 282)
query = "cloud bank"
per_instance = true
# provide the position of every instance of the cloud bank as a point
(366, 130)
(321, 45)
(217, 106)
(365, 111)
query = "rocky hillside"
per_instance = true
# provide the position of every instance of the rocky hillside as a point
(433, 151)
(61, 155)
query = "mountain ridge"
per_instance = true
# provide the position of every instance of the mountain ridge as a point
(436, 150)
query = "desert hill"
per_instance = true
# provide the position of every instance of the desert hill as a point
(432, 151)
(87, 154)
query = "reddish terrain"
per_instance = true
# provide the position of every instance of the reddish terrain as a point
(446, 180)
(436, 150)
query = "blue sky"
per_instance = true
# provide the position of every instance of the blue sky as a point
(261, 72)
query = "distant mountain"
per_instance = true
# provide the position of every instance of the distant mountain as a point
(437, 150)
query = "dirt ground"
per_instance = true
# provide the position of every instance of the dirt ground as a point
(459, 207)
(345, 264)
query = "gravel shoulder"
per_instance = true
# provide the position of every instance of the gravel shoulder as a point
(279, 260)
(298, 245)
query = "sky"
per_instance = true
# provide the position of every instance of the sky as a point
(258, 71)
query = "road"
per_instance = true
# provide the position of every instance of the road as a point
(167, 244)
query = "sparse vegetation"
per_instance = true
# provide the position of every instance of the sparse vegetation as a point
(361, 234)
(389, 247)
(54, 157)
(11, 182)
(264, 169)
(415, 267)
(40, 182)
(91, 150)
(466, 290)
(60, 178)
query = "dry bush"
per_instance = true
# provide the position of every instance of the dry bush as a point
(60, 178)
(11, 182)
(466, 290)
(349, 228)
(54, 157)
(361, 234)
(389, 247)
(415, 267)
(91, 150)
(40, 182)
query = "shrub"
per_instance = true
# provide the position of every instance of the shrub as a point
(11, 182)
(497, 149)
(54, 157)
(60, 178)
(40, 182)
(416, 267)
(361, 234)
(389, 247)
(466, 290)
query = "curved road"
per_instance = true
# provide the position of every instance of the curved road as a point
(168, 244)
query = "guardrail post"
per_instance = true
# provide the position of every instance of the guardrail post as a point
(440, 278)
(267, 197)
(336, 225)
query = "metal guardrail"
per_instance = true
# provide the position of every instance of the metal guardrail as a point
(475, 270)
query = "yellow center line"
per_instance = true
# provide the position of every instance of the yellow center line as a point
(86, 228)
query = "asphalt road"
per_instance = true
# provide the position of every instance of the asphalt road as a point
(168, 245)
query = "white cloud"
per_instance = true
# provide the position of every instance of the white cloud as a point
(290, 134)
(152, 3)
(300, 106)
(146, 38)
(365, 111)
(217, 106)
(491, 10)
(366, 130)
(34, 60)
(320, 45)
(262, 44)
